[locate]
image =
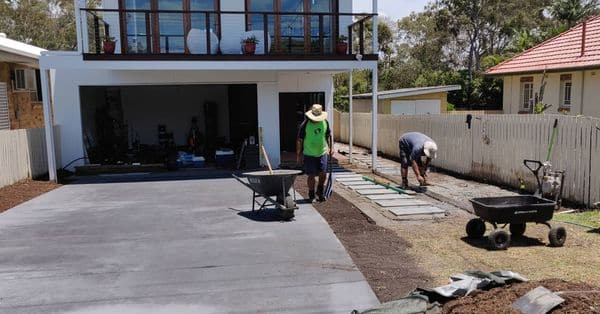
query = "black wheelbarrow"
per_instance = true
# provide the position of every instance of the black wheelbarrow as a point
(274, 187)
(516, 211)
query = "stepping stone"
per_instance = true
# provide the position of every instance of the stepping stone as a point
(401, 202)
(350, 179)
(412, 211)
(388, 197)
(367, 187)
(375, 192)
(355, 183)
(348, 174)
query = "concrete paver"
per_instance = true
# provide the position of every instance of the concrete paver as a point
(401, 202)
(388, 197)
(367, 187)
(414, 211)
(375, 192)
(170, 247)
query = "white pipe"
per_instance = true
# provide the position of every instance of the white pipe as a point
(375, 29)
(351, 111)
(374, 119)
(48, 124)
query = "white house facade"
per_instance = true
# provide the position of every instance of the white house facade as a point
(562, 72)
(178, 60)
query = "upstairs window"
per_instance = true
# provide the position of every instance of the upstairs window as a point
(526, 98)
(566, 87)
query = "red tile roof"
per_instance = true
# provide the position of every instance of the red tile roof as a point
(558, 53)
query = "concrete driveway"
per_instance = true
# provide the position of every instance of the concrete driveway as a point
(170, 247)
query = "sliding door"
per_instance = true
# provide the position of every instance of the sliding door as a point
(298, 28)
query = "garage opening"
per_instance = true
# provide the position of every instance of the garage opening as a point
(197, 126)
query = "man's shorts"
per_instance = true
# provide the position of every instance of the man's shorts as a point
(315, 165)
(404, 156)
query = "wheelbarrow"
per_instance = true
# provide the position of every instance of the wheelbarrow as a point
(274, 188)
(516, 211)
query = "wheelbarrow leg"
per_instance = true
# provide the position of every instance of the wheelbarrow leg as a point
(253, 200)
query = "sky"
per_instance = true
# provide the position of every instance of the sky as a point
(395, 9)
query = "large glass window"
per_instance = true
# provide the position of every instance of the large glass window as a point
(170, 27)
(138, 30)
(295, 33)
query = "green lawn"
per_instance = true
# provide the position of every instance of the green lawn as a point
(590, 218)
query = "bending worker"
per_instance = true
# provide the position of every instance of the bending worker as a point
(414, 147)
(312, 146)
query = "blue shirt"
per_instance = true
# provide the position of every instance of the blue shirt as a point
(412, 144)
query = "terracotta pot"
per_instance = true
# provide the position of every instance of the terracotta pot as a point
(109, 47)
(341, 48)
(249, 48)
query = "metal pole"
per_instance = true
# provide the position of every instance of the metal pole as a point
(351, 111)
(48, 124)
(375, 74)
(374, 112)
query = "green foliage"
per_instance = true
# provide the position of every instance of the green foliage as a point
(48, 24)
(571, 12)
(450, 107)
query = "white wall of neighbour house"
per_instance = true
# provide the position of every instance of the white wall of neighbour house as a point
(591, 93)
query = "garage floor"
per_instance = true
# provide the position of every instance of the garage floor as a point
(170, 247)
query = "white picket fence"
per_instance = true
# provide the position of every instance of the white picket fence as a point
(22, 155)
(495, 146)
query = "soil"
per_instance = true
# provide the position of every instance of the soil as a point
(380, 254)
(13, 195)
(579, 298)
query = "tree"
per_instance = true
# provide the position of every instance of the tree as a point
(571, 12)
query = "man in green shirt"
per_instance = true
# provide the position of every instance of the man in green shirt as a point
(312, 148)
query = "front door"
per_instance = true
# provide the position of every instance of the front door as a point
(292, 107)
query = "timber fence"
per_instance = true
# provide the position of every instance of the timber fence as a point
(494, 147)
(22, 155)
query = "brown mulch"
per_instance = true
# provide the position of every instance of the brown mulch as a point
(580, 298)
(380, 254)
(13, 195)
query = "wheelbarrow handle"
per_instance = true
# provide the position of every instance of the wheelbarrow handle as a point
(538, 163)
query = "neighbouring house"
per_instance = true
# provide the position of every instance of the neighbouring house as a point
(407, 101)
(571, 63)
(151, 73)
(20, 94)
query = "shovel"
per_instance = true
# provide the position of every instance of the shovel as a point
(330, 179)
(537, 301)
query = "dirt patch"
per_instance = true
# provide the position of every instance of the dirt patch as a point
(579, 298)
(13, 195)
(380, 254)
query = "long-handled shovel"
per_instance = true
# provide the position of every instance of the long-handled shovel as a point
(330, 179)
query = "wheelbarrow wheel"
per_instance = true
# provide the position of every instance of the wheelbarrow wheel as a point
(557, 236)
(287, 210)
(517, 229)
(475, 228)
(499, 240)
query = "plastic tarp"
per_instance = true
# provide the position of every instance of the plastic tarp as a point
(427, 301)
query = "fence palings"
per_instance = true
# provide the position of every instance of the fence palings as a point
(494, 147)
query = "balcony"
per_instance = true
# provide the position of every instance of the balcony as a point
(218, 35)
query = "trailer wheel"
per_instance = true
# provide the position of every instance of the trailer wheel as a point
(499, 240)
(517, 229)
(475, 228)
(557, 236)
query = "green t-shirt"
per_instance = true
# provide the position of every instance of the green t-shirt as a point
(314, 135)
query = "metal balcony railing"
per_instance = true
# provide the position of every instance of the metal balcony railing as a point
(174, 34)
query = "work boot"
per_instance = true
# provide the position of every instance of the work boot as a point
(320, 194)
(311, 195)
(405, 183)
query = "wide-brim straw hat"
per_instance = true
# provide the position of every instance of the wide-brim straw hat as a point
(316, 113)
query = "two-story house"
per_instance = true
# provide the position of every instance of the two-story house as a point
(148, 72)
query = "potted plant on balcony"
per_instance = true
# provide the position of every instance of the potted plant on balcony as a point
(108, 45)
(249, 44)
(341, 47)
